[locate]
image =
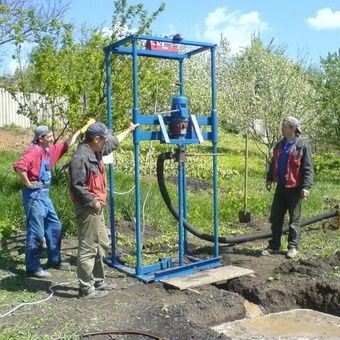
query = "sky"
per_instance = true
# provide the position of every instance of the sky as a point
(307, 29)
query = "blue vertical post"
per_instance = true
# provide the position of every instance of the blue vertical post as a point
(180, 208)
(181, 93)
(111, 174)
(136, 159)
(214, 120)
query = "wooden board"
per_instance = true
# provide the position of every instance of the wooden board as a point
(206, 277)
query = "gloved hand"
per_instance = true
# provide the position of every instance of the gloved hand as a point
(35, 185)
(86, 126)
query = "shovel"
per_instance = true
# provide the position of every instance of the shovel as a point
(244, 215)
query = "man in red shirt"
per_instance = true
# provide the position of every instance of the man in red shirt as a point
(42, 223)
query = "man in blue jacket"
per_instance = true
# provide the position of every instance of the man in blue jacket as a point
(292, 169)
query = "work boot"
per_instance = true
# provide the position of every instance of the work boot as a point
(63, 265)
(269, 251)
(292, 252)
(94, 294)
(105, 286)
(39, 273)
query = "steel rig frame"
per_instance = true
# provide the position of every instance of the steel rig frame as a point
(179, 128)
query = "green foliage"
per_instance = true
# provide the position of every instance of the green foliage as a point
(10, 197)
(326, 83)
(326, 163)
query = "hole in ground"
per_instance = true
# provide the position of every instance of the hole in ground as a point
(304, 284)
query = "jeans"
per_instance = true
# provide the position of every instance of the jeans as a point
(41, 222)
(285, 200)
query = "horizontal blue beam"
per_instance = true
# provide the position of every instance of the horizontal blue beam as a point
(157, 135)
(188, 268)
(153, 120)
(161, 39)
(166, 269)
(151, 53)
(175, 41)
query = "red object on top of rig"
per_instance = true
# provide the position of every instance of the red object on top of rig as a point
(157, 46)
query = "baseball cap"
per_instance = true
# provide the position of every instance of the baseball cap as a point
(97, 129)
(294, 122)
(40, 131)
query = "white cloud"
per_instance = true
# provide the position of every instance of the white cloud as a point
(236, 27)
(325, 19)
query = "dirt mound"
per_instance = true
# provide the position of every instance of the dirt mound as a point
(303, 284)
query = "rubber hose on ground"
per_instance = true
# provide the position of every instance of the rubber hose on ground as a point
(221, 239)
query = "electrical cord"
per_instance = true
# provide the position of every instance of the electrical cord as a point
(38, 301)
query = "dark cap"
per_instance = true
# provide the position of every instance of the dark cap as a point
(294, 122)
(97, 129)
(40, 131)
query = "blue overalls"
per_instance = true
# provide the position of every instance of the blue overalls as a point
(41, 221)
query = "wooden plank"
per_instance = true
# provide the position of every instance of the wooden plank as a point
(206, 277)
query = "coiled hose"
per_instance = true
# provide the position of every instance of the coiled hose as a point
(221, 239)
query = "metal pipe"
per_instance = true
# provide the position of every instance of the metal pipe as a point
(136, 159)
(214, 127)
(111, 172)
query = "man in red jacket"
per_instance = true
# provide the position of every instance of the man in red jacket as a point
(42, 223)
(89, 191)
(292, 169)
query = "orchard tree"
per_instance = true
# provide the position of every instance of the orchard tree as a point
(327, 84)
(261, 87)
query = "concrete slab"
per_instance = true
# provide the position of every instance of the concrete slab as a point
(295, 324)
(204, 277)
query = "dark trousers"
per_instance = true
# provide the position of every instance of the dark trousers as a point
(285, 200)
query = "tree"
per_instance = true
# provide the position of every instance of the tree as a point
(21, 20)
(263, 86)
(70, 74)
(327, 85)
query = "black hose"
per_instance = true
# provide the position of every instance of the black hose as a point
(221, 239)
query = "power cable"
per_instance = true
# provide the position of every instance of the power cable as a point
(39, 301)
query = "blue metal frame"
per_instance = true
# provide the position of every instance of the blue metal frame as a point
(165, 267)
